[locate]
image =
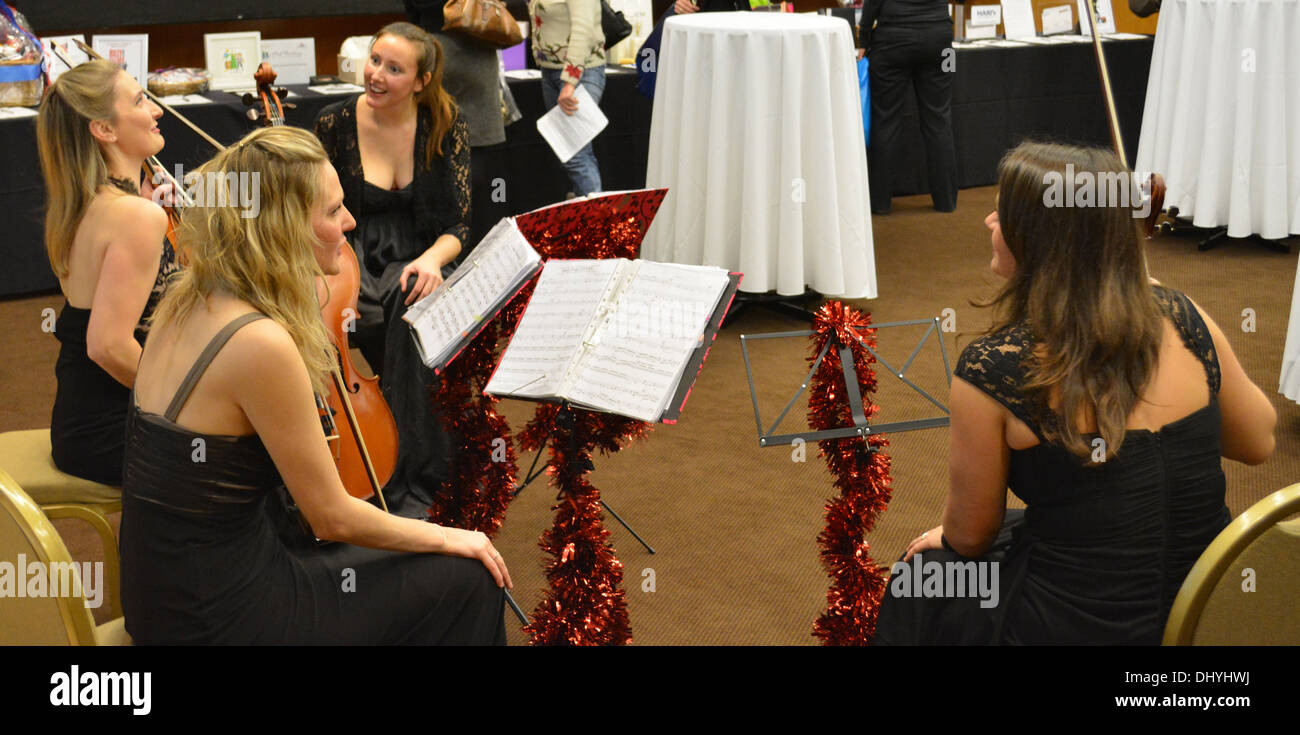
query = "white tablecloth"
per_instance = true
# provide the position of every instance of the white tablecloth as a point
(1222, 116)
(757, 133)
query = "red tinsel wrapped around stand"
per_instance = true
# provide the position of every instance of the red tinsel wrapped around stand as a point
(861, 470)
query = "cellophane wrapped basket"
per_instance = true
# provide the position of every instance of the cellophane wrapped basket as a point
(22, 81)
(178, 80)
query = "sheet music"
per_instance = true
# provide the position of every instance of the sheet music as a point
(462, 301)
(646, 339)
(550, 334)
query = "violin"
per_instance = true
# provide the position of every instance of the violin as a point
(1155, 183)
(365, 445)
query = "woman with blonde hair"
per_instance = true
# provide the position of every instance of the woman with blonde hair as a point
(402, 153)
(1105, 402)
(223, 416)
(105, 241)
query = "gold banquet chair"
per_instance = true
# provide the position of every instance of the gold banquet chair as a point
(25, 455)
(1245, 588)
(52, 619)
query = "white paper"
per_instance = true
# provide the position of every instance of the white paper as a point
(178, 100)
(294, 59)
(337, 88)
(551, 332)
(66, 49)
(1018, 19)
(524, 74)
(1126, 36)
(463, 300)
(1105, 18)
(985, 15)
(567, 134)
(16, 112)
(131, 51)
(981, 31)
(1059, 19)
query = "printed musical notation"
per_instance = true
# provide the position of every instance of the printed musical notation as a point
(444, 319)
(613, 335)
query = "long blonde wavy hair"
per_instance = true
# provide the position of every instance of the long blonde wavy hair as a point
(1081, 284)
(266, 260)
(71, 160)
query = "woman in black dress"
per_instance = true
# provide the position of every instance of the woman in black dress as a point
(401, 150)
(223, 415)
(105, 240)
(1104, 401)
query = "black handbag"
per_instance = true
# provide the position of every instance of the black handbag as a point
(612, 22)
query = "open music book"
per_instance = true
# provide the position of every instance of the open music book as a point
(615, 335)
(446, 320)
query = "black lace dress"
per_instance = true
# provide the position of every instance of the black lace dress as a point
(1099, 553)
(88, 422)
(202, 561)
(393, 228)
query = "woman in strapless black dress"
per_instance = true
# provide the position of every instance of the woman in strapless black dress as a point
(1104, 401)
(223, 416)
(106, 244)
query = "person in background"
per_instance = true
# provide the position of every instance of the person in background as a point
(105, 241)
(569, 46)
(906, 42)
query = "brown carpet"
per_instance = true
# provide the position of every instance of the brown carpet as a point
(735, 525)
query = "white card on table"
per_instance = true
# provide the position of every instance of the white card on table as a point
(1059, 19)
(973, 31)
(294, 59)
(985, 15)
(1018, 19)
(131, 51)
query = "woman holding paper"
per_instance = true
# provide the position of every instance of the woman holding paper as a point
(222, 420)
(402, 153)
(569, 46)
(105, 241)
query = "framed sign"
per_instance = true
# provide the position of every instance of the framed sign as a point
(294, 59)
(129, 51)
(232, 58)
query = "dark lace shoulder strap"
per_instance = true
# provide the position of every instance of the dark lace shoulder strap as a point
(204, 359)
(995, 364)
(1193, 330)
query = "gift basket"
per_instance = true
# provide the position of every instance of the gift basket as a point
(178, 80)
(22, 81)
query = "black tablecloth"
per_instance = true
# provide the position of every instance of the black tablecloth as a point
(1000, 97)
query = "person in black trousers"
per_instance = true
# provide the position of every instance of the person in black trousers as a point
(906, 51)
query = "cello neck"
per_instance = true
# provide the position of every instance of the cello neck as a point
(1116, 137)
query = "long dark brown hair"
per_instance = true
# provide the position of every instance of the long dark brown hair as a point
(1081, 285)
(430, 61)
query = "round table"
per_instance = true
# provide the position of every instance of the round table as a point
(757, 133)
(1222, 115)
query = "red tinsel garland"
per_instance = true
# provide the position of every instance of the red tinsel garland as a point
(481, 480)
(861, 475)
(586, 605)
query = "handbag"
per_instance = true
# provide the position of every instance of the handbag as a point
(486, 20)
(614, 24)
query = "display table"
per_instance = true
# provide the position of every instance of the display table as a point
(1222, 117)
(757, 133)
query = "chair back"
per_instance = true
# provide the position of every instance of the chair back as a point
(1245, 588)
(41, 603)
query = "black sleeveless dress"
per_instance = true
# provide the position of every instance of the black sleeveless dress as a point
(1099, 553)
(88, 422)
(202, 561)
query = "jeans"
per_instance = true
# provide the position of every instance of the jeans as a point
(582, 168)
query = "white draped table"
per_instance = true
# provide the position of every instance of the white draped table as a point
(757, 133)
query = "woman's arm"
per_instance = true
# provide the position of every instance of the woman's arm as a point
(978, 462)
(126, 278)
(584, 15)
(1248, 417)
(280, 406)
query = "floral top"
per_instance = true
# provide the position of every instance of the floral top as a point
(442, 193)
(567, 35)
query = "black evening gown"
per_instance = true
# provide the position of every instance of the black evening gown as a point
(88, 422)
(1099, 553)
(202, 561)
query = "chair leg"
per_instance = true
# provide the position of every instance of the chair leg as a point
(97, 517)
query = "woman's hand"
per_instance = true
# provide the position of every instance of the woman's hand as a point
(475, 545)
(426, 274)
(861, 53)
(683, 7)
(932, 539)
(568, 100)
